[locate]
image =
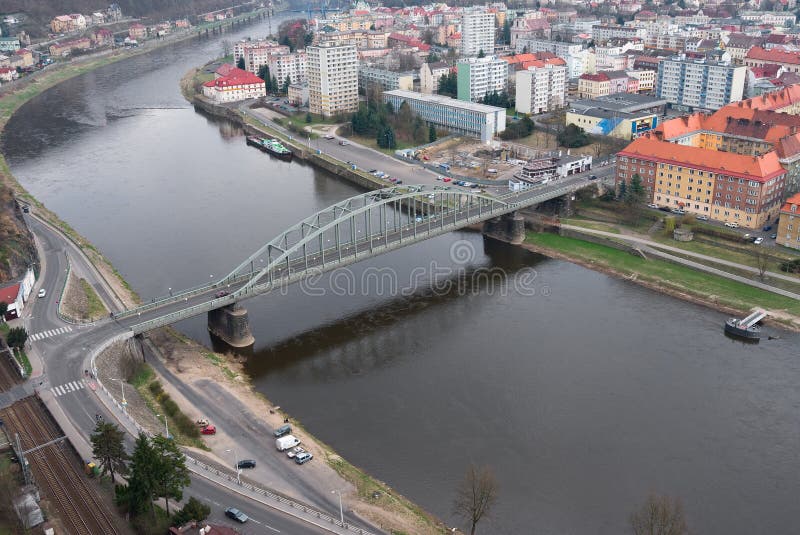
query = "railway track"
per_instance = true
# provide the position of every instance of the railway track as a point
(9, 376)
(56, 471)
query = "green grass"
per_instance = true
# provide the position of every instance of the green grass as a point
(373, 144)
(594, 225)
(4, 328)
(726, 292)
(96, 308)
(220, 363)
(26, 363)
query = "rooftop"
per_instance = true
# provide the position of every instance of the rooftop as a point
(793, 200)
(444, 101)
(623, 102)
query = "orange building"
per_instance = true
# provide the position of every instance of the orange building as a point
(789, 224)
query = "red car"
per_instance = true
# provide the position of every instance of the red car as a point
(209, 430)
(446, 179)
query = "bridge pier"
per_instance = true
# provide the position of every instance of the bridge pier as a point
(231, 324)
(509, 228)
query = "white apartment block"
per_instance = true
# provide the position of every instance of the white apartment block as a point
(467, 118)
(291, 65)
(774, 18)
(477, 33)
(574, 54)
(541, 89)
(386, 79)
(478, 77)
(699, 83)
(606, 57)
(602, 32)
(257, 53)
(332, 73)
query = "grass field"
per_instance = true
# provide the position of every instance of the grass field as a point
(679, 278)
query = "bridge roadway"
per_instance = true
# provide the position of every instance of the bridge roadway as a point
(193, 302)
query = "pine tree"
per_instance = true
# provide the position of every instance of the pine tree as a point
(108, 448)
(171, 475)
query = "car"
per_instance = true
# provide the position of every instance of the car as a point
(447, 179)
(391, 179)
(474, 186)
(440, 177)
(328, 136)
(348, 162)
(221, 293)
(652, 205)
(282, 431)
(767, 228)
(751, 239)
(702, 217)
(372, 171)
(202, 422)
(42, 292)
(303, 457)
(593, 177)
(246, 463)
(237, 515)
(344, 142)
(758, 241)
(26, 209)
(677, 211)
(209, 430)
(773, 236)
(399, 182)
(731, 224)
(292, 453)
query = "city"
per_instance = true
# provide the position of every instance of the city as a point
(402, 244)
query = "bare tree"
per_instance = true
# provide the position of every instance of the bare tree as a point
(762, 261)
(476, 495)
(659, 515)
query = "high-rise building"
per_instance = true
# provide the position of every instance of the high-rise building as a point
(699, 83)
(332, 73)
(478, 77)
(541, 88)
(477, 33)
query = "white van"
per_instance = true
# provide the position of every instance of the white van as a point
(286, 442)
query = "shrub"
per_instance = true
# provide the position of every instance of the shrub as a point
(193, 510)
(170, 407)
(155, 388)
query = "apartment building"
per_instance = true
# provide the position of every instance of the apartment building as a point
(384, 78)
(541, 88)
(789, 224)
(759, 57)
(468, 118)
(256, 54)
(478, 77)
(605, 32)
(604, 83)
(291, 66)
(699, 83)
(477, 33)
(574, 54)
(332, 73)
(430, 74)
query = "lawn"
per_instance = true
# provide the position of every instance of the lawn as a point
(594, 225)
(681, 278)
(96, 308)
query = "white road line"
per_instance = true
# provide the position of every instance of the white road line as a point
(67, 387)
(78, 385)
(59, 391)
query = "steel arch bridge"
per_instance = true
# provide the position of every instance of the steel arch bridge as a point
(352, 230)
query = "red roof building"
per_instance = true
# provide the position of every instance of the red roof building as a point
(237, 85)
(12, 296)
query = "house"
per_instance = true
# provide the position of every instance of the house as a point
(9, 44)
(8, 73)
(67, 47)
(22, 58)
(789, 223)
(137, 31)
(15, 295)
(61, 24)
(102, 36)
(98, 17)
(237, 85)
(182, 23)
(113, 13)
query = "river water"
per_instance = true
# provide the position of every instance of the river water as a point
(582, 392)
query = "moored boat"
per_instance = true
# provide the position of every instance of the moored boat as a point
(737, 327)
(277, 149)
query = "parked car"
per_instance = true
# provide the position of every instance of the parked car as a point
(767, 228)
(42, 292)
(246, 463)
(303, 457)
(292, 453)
(731, 224)
(328, 136)
(446, 179)
(652, 205)
(593, 177)
(758, 241)
(282, 430)
(202, 422)
(286, 442)
(677, 211)
(344, 142)
(773, 236)
(399, 182)
(209, 430)
(702, 217)
(236, 515)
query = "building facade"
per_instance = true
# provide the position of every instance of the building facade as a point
(478, 77)
(291, 66)
(477, 33)
(699, 83)
(430, 74)
(476, 120)
(541, 89)
(789, 223)
(235, 86)
(384, 78)
(332, 73)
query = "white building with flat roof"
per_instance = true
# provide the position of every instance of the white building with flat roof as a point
(332, 73)
(541, 89)
(477, 33)
(468, 118)
(699, 83)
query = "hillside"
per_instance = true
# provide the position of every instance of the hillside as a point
(16, 243)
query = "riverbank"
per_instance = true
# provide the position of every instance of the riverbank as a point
(684, 283)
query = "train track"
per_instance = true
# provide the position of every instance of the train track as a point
(9, 376)
(55, 470)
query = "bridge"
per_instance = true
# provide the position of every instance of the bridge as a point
(347, 232)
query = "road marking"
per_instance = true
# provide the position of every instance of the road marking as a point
(49, 333)
(66, 388)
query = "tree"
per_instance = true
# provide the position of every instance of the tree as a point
(226, 48)
(573, 136)
(286, 84)
(431, 134)
(761, 260)
(309, 118)
(622, 192)
(273, 82)
(507, 31)
(385, 138)
(448, 84)
(636, 192)
(240, 63)
(17, 337)
(476, 495)
(481, 53)
(193, 510)
(108, 448)
(659, 515)
(141, 483)
(433, 57)
(171, 475)
(3, 310)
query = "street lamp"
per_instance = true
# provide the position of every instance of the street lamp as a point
(341, 511)
(166, 426)
(170, 291)
(236, 466)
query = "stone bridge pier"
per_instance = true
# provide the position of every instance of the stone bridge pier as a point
(232, 325)
(509, 228)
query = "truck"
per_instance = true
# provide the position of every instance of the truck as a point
(286, 442)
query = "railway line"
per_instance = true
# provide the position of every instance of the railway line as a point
(56, 471)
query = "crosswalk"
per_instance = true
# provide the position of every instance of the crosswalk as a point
(48, 334)
(66, 388)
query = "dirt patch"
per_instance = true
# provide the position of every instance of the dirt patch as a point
(80, 303)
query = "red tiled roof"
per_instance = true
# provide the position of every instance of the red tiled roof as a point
(794, 199)
(225, 69)
(773, 56)
(599, 77)
(759, 168)
(236, 77)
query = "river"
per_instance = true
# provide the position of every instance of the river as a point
(582, 392)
